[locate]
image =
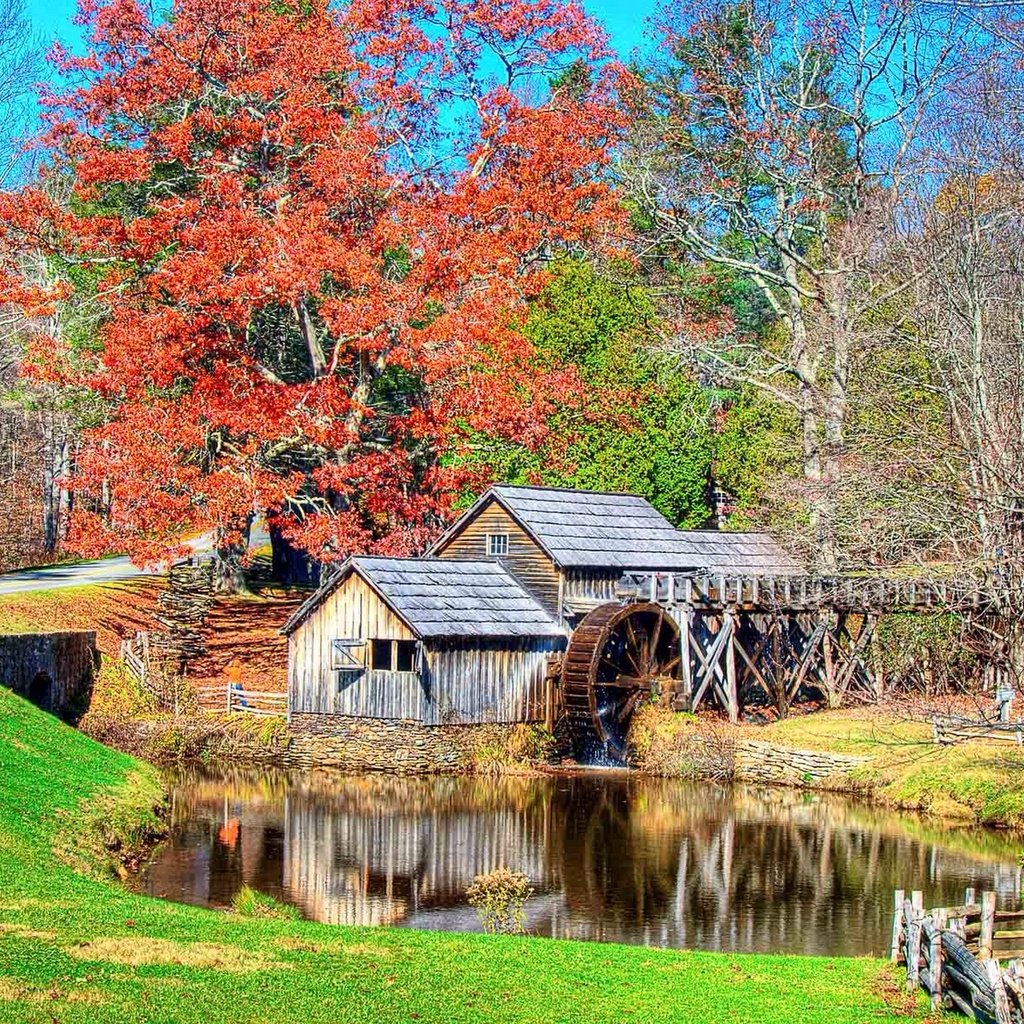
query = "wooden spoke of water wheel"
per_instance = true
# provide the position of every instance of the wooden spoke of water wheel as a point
(616, 656)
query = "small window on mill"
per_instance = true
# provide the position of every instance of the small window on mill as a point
(497, 545)
(380, 655)
(405, 656)
(393, 655)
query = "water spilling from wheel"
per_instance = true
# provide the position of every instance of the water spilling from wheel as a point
(612, 856)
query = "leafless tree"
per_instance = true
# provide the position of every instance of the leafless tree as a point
(771, 142)
(967, 268)
(21, 67)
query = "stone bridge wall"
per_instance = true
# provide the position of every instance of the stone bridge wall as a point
(55, 671)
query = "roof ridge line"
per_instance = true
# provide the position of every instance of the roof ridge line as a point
(569, 490)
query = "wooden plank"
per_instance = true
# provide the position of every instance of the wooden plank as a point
(898, 929)
(999, 994)
(935, 961)
(915, 914)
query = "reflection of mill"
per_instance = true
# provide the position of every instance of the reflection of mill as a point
(621, 859)
(374, 853)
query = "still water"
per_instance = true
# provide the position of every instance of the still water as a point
(612, 857)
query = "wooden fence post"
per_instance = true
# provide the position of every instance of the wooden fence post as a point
(988, 925)
(914, 940)
(897, 926)
(935, 959)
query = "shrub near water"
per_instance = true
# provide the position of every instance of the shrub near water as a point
(499, 898)
(251, 902)
(501, 749)
(680, 745)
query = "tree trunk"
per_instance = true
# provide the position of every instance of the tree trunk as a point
(228, 570)
(292, 565)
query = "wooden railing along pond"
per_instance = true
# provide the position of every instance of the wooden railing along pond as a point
(955, 955)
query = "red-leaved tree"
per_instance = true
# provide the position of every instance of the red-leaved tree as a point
(303, 239)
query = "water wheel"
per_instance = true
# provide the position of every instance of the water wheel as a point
(617, 656)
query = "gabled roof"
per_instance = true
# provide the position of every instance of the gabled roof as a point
(590, 529)
(444, 598)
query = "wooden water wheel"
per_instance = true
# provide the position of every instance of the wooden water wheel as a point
(617, 656)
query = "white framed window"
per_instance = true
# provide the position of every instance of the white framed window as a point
(497, 545)
(348, 655)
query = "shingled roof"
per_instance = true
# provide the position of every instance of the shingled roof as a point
(587, 529)
(441, 598)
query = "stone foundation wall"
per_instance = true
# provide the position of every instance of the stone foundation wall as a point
(387, 745)
(765, 762)
(52, 670)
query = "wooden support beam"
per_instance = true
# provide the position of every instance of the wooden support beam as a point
(732, 691)
(709, 671)
(685, 631)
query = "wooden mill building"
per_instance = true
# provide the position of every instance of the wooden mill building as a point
(474, 631)
(571, 548)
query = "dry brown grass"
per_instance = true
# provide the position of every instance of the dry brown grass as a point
(247, 629)
(14, 991)
(114, 610)
(143, 951)
(297, 945)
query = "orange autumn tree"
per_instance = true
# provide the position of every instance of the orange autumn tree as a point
(306, 237)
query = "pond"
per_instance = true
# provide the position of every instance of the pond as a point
(611, 856)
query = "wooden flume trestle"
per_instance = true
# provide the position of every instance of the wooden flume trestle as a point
(737, 640)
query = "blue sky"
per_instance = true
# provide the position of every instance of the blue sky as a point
(624, 19)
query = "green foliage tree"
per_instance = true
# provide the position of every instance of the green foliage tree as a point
(644, 422)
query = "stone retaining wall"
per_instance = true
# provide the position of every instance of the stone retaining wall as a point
(765, 762)
(54, 671)
(385, 745)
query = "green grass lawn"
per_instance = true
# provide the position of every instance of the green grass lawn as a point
(976, 781)
(75, 947)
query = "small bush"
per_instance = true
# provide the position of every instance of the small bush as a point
(499, 898)
(506, 749)
(680, 745)
(250, 902)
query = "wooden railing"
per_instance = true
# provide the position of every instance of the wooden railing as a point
(234, 699)
(803, 593)
(951, 729)
(954, 953)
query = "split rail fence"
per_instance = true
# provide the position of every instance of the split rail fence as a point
(954, 954)
(234, 699)
(173, 693)
(952, 729)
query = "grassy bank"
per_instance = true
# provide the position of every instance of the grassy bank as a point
(977, 782)
(74, 947)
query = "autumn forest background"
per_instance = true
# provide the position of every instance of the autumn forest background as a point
(343, 265)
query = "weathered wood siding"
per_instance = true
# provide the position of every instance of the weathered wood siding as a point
(353, 611)
(590, 585)
(468, 682)
(496, 681)
(525, 557)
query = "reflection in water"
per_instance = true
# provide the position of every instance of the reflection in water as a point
(612, 857)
